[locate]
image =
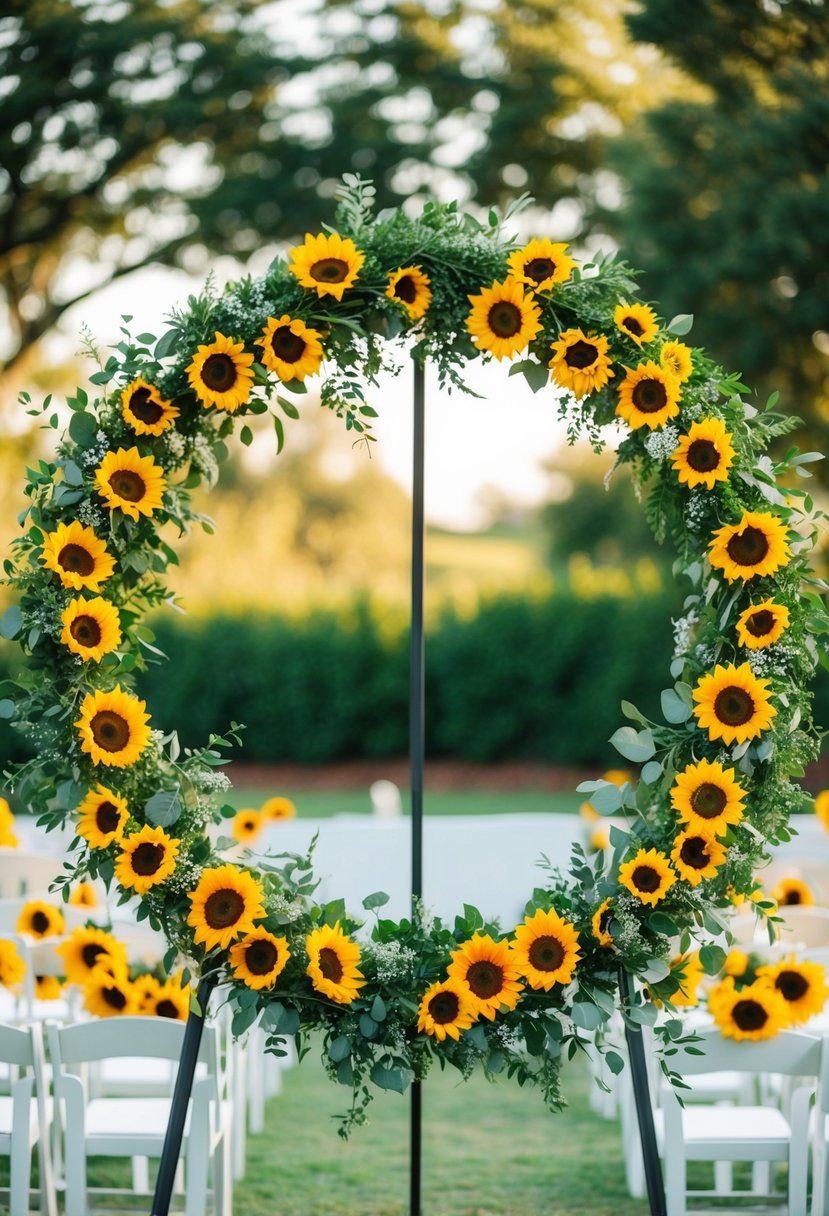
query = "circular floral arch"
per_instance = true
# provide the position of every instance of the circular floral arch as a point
(714, 788)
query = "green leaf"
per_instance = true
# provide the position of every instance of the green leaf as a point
(587, 1015)
(656, 970)
(658, 922)
(378, 1009)
(6, 708)
(375, 901)
(339, 1049)
(246, 436)
(83, 428)
(72, 475)
(11, 622)
(651, 772)
(289, 408)
(243, 1019)
(711, 959)
(674, 709)
(633, 745)
(614, 1061)
(390, 1078)
(368, 1026)
(280, 433)
(681, 324)
(164, 808)
(536, 375)
(606, 799)
(167, 344)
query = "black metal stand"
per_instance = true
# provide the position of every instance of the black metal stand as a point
(417, 720)
(644, 1110)
(181, 1097)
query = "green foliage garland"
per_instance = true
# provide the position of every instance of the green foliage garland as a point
(144, 434)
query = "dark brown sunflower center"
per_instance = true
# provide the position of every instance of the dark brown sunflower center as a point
(539, 269)
(604, 919)
(114, 997)
(703, 456)
(90, 953)
(107, 817)
(486, 979)
(647, 879)
(110, 731)
(649, 396)
(144, 408)
(505, 319)
(749, 547)
(792, 896)
(248, 825)
(733, 706)
(86, 630)
(546, 954)
(223, 908)
(708, 800)
(444, 1007)
(749, 1015)
(330, 965)
(261, 957)
(760, 623)
(286, 345)
(406, 289)
(694, 852)
(632, 326)
(166, 1008)
(40, 923)
(329, 270)
(77, 559)
(127, 484)
(147, 858)
(219, 373)
(581, 354)
(792, 984)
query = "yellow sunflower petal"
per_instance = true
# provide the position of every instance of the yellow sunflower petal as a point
(409, 286)
(704, 456)
(290, 348)
(488, 970)
(147, 858)
(648, 876)
(259, 959)
(225, 905)
(580, 362)
(708, 797)
(637, 321)
(130, 482)
(40, 919)
(113, 727)
(648, 396)
(103, 816)
(541, 265)
(733, 704)
(697, 855)
(762, 624)
(145, 410)
(220, 374)
(802, 986)
(546, 947)
(446, 1010)
(326, 264)
(503, 320)
(333, 960)
(77, 556)
(91, 628)
(756, 545)
(753, 1013)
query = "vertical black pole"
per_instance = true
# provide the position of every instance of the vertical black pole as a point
(416, 733)
(642, 1098)
(181, 1098)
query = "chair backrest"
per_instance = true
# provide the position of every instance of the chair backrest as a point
(808, 926)
(126, 1037)
(11, 907)
(16, 1046)
(23, 873)
(791, 1053)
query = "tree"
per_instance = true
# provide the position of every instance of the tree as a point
(727, 195)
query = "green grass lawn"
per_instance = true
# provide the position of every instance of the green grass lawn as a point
(319, 804)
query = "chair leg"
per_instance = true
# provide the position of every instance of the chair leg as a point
(140, 1175)
(761, 1177)
(222, 1181)
(21, 1173)
(75, 1177)
(675, 1180)
(724, 1177)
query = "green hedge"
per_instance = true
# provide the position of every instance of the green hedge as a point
(523, 678)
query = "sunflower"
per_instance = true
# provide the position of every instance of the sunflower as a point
(145, 410)
(83, 895)
(113, 727)
(822, 807)
(12, 964)
(677, 358)
(541, 264)
(689, 971)
(327, 265)
(39, 919)
(638, 321)
(170, 1001)
(489, 973)
(580, 362)
(290, 348)
(108, 995)
(736, 963)
(91, 628)
(503, 320)
(733, 704)
(145, 990)
(708, 797)
(147, 858)
(599, 838)
(278, 808)
(648, 876)
(8, 837)
(445, 1010)
(762, 624)
(103, 815)
(77, 556)
(332, 963)
(802, 986)
(704, 456)
(648, 396)
(756, 545)
(131, 482)
(547, 949)
(246, 825)
(410, 287)
(756, 1011)
(220, 374)
(259, 958)
(224, 905)
(48, 988)
(88, 948)
(697, 855)
(600, 921)
(793, 892)
(617, 776)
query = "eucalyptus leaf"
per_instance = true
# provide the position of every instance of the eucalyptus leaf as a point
(164, 808)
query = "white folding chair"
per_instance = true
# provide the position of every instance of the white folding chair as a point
(25, 1116)
(804, 927)
(134, 1127)
(23, 873)
(746, 1133)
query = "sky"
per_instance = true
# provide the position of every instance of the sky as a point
(473, 447)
